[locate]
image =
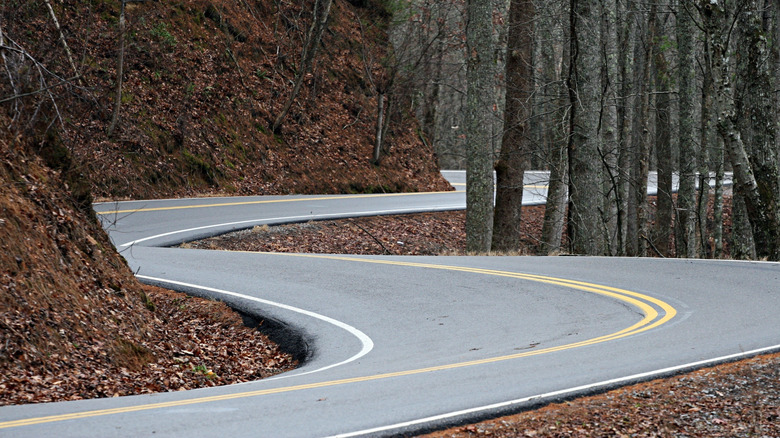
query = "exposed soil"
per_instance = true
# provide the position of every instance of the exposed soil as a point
(74, 322)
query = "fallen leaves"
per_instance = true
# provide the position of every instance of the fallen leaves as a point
(740, 399)
(213, 347)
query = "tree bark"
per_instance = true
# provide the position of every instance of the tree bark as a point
(755, 119)
(513, 158)
(380, 124)
(663, 145)
(584, 224)
(705, 142)
(742, 246)
(625, 113)
(636, 243)
(318, 23)
(479, 122)
(685, 241)
(553, 103)
(609, 129)
(119, 71)
(64, 43)
(760, 194)
(555, 208)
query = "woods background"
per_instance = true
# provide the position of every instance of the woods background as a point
(150, 99)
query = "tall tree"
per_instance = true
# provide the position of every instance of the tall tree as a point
(552, 109)
(711, 154)
(759, 191)
(627, 36)
(584, 224)
(119, 70)
(636, 235)
(514, 153)
(479, 115)
(757, 125)
(608, 126)
(663, 139)
(685, 222)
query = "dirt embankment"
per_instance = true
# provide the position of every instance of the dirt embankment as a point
(203, 80)
(74, 323)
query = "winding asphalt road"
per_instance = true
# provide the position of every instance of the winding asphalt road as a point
(403, 344)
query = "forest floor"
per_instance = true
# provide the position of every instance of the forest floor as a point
(734, 399)
(190, 343)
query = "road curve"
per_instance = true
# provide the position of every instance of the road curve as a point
(403, 344)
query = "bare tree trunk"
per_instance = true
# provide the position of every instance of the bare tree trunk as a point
(609, 129)
(584, 224)
(761, 202)
(717, 214)
(775, 9)
(640, 145)
(432, 94)
(705, 143)
(318, 23)
(741, 245)
(555, 209)
(685, 241)
(119, 71)
(755, 119)
(479, 122)
(663, 146)
(62, 36)
(555, 109)
(380, 124)
(513, 158)
(625, 112)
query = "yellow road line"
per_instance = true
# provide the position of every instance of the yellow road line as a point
(642, 302)
(275, 201)
(267, 201)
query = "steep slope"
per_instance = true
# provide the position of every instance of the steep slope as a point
(74, 323)
(203, 82)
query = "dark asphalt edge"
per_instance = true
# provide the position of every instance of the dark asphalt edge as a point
(292, 340)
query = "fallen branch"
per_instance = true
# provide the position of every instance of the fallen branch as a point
(387, 251)
(32, 93)
(653, 246)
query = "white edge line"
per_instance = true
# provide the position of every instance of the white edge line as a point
(281, 220)
(562, 392)
(366, 342)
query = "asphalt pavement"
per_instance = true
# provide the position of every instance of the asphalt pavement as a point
(405, 344)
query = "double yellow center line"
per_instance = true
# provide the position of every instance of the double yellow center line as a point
(655, 311)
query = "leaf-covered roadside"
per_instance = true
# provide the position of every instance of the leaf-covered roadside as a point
(736, 400)
(418, 234)
(74, 322)
(740, 399)
(191, 343)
